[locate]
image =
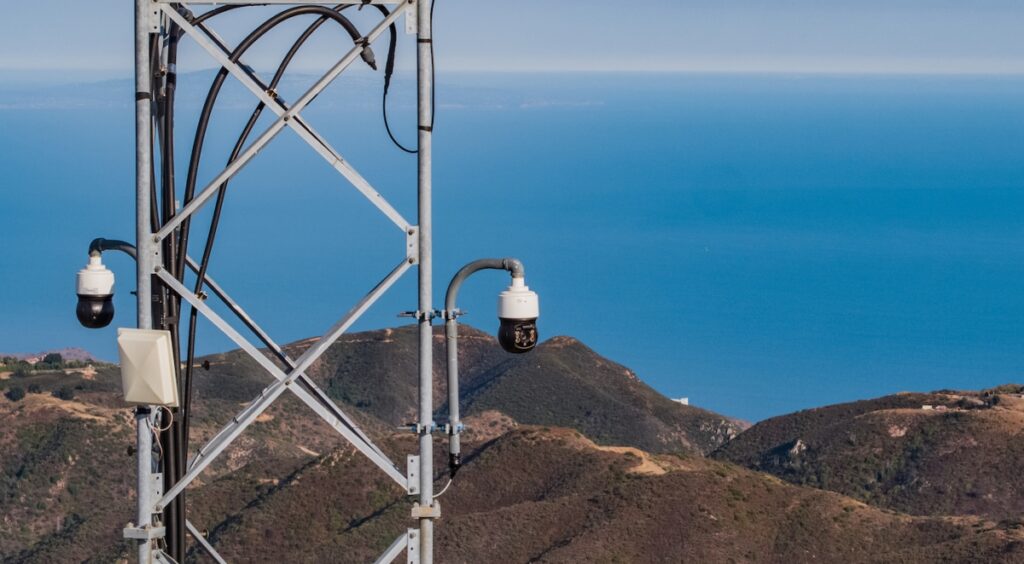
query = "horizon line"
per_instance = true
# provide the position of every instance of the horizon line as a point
(111, 73)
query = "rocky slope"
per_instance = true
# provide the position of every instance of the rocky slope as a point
(561, 383)
(538, 485)
(551, 495)
(944, 453)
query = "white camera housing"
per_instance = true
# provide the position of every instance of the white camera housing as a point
(518, 310)
(95, 289)
(95, 279)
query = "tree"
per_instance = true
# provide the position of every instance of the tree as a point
(15, 394)
(55, 360)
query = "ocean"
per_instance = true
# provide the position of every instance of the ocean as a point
(757, 243)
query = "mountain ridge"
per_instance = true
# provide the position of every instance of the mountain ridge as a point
(939, 453)
(531, 489)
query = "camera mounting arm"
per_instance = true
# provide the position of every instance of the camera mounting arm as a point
(514, 266)
(98, 246)
(518, 309)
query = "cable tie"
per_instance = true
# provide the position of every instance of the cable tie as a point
(143, 96)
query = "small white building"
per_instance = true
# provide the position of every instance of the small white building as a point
(684, 401)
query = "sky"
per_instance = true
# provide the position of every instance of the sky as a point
(867, 36)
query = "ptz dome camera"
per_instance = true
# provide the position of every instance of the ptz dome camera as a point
(95, 289)
(518, 310)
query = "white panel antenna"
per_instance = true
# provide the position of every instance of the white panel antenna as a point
(147, 367)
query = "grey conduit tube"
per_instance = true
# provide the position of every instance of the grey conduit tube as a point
(451, 331)
(97, 246)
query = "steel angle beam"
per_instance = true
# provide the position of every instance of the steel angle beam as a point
(287, 117)
(303, 379)
(396, 548)
(205, 544)
(209, 452)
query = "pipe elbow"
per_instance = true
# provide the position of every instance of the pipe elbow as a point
(515, 267)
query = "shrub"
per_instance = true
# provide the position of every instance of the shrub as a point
(15, 394)
(64, 393)
(54, 359)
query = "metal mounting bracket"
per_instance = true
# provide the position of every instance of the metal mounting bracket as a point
(153, 18)
(412, 473)
(144, 533)
(420, 316)
(458, 429)
(451, 315)
(157, 485)
(412, 244)
(410, 19)
(431, 512)
(412, 549)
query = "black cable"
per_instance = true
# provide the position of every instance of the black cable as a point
(222, 190)
(387, 82)
(204, 123)
(214, 91)
(176, 253)
(221, 76)
(180, 425)
(201, 132)
(159, 210)
(389, 69)
(201, 129)
(173, 436)
(237, 149)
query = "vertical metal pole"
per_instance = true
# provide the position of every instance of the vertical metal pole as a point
(143, 166)
(146, 257)
(425, 71)
(454, 421)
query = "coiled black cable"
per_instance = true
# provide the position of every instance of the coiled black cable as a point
(201, 132)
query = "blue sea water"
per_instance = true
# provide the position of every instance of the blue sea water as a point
(757, 243)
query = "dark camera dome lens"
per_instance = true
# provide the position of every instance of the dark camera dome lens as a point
(95, 312)
(518, 335)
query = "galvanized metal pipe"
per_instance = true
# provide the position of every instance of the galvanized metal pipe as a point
(145, 261)
(424, 78)
(451, 331)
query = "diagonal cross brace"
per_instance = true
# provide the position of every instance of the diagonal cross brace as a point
(286, 117)
(396, 548)
(203, 542)
(284, 381)
(303, 379)
(271, 393)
